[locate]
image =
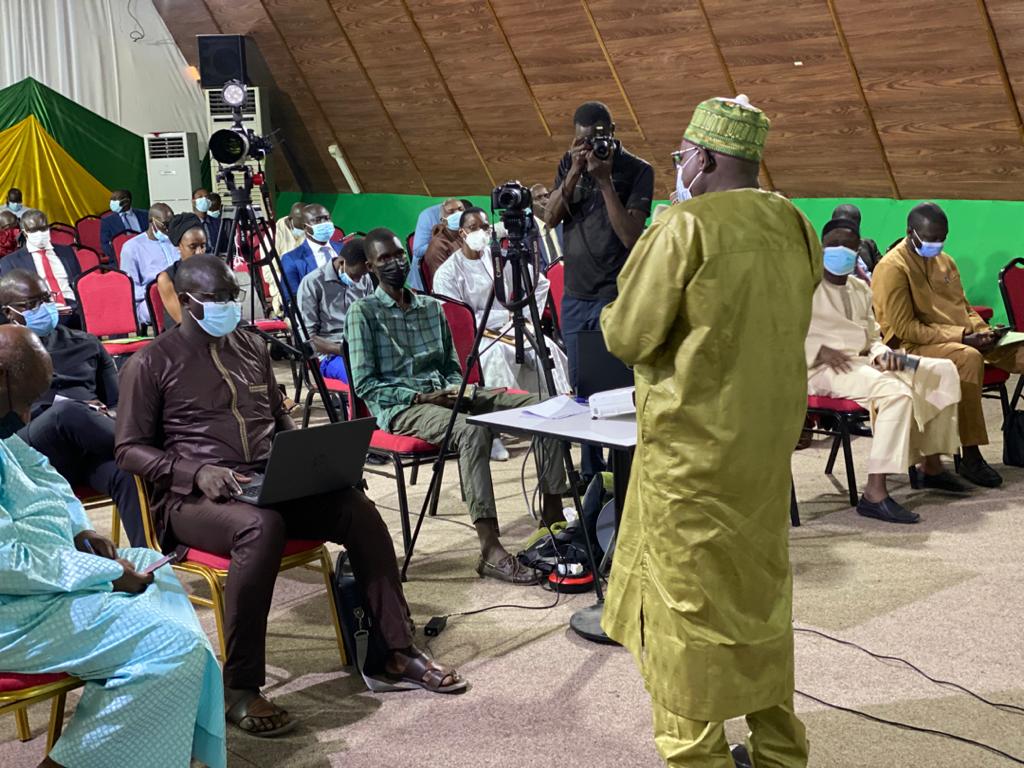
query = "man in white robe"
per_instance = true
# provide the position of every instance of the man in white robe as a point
(70, 602)
(912, 400)
(469, 278)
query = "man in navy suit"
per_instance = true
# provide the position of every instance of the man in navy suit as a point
(124, 219)
(315, 251)
(56, 265)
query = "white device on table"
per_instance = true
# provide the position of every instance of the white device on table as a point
(614, 402)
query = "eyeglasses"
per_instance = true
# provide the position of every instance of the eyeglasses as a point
(679, 154)
(221, 297)
(33, 302)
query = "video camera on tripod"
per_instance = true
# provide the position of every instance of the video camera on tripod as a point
(520, 249)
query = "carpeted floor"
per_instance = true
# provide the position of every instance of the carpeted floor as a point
(945, 594)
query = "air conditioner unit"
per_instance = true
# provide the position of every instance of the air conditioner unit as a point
(172, 164)
(255, 117)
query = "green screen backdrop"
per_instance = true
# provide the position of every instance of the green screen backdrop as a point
(984, 235)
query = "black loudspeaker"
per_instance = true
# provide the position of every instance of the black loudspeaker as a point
(221, 58)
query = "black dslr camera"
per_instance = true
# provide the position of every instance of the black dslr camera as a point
(601, 143)
(511, 196)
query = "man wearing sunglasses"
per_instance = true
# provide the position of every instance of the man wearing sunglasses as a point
(199, 410)
(920, 305)
(73, 420)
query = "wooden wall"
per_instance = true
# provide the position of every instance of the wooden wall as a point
(886, 98)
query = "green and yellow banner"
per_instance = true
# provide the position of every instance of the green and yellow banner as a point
(63, 157)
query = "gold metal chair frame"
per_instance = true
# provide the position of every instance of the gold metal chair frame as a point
(19, 701)
(317, 558)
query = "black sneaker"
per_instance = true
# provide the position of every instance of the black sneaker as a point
(980, 473)
(740, 756)
(886, 510)
(944, 481)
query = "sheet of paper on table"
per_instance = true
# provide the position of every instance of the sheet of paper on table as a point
(560, 407)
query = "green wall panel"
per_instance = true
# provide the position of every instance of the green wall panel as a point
(984, 235)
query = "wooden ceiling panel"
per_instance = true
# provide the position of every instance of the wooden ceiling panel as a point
(932, 79)
(485, 79)
(357, 117)
(387, 40)
(816, 112)
(901, 98)
(307, 139)
(661, 55)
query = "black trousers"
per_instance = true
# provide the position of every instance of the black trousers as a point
(79, 442)
(254, 538)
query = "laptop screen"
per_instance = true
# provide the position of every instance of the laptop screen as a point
(597, 369)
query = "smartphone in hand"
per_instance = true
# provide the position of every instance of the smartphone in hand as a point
(161, 562)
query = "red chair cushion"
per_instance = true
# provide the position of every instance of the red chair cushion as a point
(294, 546)
(833, 404)
(336, 385)
(984, 312)
(271, 326)
(85, 493)
(12, 681)
(994, 376)
(385, 441)
(124, 349)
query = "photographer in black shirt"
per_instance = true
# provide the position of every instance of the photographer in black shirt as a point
(602, 197)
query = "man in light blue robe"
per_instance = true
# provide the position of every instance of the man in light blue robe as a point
(153, 694)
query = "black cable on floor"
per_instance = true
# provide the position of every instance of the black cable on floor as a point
(916, 728)
(1011, 709)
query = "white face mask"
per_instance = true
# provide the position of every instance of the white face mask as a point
(38, 241)
(477, 240)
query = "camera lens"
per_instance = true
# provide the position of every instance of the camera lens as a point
(228, 147)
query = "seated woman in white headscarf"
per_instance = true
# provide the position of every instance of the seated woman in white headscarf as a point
(469, 278)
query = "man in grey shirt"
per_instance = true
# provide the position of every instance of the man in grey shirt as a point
(324, 298)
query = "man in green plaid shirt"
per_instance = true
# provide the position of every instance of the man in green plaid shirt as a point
(405, 368)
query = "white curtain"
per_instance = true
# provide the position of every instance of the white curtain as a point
(84, 49)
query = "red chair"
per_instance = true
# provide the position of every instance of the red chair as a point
(88, 229)
(462, 323)
(409, 239)
(106, 299)
(556, 277)
(844, 414)
(1011, 286)
(92, 499)
(336, 386)
(118, 243)
(18, 692)
(338, 236)
(87, 257)
(403, 452)
(213, 569)
(155, 304)
(63, 234)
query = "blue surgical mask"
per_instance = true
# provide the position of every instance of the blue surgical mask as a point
(42, 319)
(322, 232)
(15, 207)
(452, 220)
(683, 192)
(202, 204)
(299, 233)
(214, 214)
(115, 206)
(928, 250)
(345, 279)
(840, 260)
(160, 235)
(219, 317)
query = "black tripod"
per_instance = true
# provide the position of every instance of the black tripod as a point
(519, 256)
(254, 236)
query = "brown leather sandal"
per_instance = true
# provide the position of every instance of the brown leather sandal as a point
(424, 672)
(258, 725)
(509, 570)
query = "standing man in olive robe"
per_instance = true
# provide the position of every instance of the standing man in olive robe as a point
(713, 309)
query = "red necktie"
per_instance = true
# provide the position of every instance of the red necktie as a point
(51, 279)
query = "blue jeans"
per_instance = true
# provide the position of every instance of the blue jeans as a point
(582, 315)
(333, 367)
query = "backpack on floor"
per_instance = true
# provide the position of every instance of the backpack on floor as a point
(364, 646)
(1013, 439)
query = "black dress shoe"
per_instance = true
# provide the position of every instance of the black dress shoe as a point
(887, 510)
(944, 481)
(861, 429)
(740, 756)
(980, 473)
